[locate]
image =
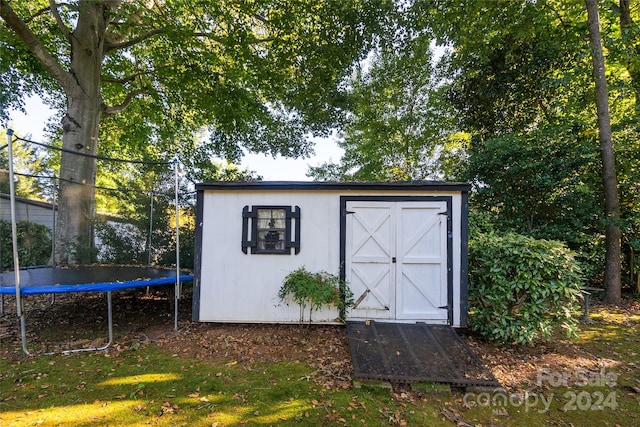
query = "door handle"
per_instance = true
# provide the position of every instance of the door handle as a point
(393, 260)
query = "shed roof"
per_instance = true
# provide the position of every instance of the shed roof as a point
(38, 203)
(346, 186)
(50, 206)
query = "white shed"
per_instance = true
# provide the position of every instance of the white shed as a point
(402, 248)
(35, 211)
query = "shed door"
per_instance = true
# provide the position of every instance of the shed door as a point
(396, 259)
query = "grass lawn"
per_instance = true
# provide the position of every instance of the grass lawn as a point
(149, 384)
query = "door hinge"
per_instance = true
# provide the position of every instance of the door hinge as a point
(443, 213)
(393, 260)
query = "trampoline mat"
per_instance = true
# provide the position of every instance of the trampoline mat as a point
(94, 278)
(415, 352)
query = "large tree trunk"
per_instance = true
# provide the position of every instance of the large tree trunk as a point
(612, 271)
(74, 230)
(74, 227)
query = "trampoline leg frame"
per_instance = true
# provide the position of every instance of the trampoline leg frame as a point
(23, 333)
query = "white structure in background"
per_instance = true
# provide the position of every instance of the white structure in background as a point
(44, 213)
(402, 248)
(28, 210)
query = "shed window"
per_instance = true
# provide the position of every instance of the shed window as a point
(271, 229)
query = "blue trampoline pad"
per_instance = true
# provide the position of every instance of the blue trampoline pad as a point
(97, 278)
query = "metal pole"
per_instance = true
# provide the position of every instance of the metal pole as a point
(54, 198)
(14, 241)
(109, 326)
(150, 228)
(177, 287)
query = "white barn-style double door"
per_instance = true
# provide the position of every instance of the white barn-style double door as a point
(396, 260)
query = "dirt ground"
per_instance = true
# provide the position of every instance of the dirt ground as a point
(141, 319)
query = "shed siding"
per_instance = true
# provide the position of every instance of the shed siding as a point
(240, 287)
(27, 211)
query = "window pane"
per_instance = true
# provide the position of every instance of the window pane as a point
(271, 218)
(271, 240)
(271, 229)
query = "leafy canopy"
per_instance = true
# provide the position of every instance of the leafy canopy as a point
(257, 75)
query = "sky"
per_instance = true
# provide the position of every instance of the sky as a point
(278, 169)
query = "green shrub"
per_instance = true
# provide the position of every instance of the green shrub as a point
(315, 290)
(187, 247)
(120, 243)
(124, 243)
(34, 244)
(521, 289)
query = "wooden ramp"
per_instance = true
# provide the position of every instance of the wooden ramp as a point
(414, 352)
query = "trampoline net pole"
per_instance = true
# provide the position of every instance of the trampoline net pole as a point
(14, 241)
(109, 320)
(12, 199)
(150, 228)
(177, 286)
(54, 197)
(23, 334)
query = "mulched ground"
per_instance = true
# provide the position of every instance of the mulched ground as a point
(141, 319)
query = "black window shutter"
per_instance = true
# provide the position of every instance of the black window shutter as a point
(246, 243)
(251, 227)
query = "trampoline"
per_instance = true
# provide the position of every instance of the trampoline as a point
(105, 279)
(22, 282)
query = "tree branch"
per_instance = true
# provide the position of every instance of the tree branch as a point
(43, 11)
(108, 47)
(222, 40)
(124, 80)
(115, 46)
(545, 111)
(132, 77)
(22, 30)
(37, 14)
(63, 28)
(260, 18)
(111, 110)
